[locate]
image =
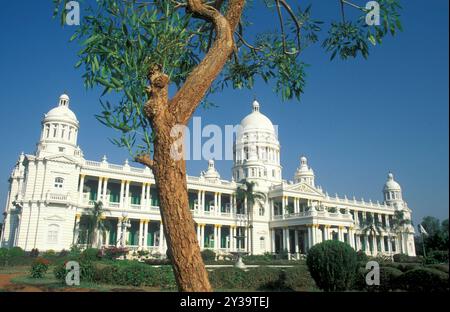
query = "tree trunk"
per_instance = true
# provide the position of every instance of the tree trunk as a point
(170, 172)
(179, 229)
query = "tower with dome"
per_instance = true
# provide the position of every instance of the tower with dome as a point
(52, 190)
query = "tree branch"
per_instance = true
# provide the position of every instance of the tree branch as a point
(186, 100)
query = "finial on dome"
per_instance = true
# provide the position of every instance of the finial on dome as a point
(390, 176)
(255, 106)
(211, 163)
(64, 100)
(303, 160)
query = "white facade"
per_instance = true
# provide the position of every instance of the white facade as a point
(51, 190)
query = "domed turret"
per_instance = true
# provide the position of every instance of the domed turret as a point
(392, 192)
(59, 130)
(304, 173)
(257, 150)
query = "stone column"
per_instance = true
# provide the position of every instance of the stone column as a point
(340, 233)
(105, 192)
(81, 194)
(215, 237)
(141, 233)
(149, 196)
(273, 237)
(127, 194)
(145, 233)
(122, 187)
(283, 207)
(382, 244)
(143, 195)
(219, 236)
(99, 189)
(232, 239)
(310, 236)
(119, 232)
(288, 240)
(203, 201)
(198, 233)
(161, 238)
(202, 236)
(219, 203)
(325, 232)
(77, 228)
(296, 241)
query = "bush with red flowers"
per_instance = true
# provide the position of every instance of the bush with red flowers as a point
(39, 267)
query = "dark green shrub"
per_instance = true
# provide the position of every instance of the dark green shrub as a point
(298, 278)
(87, 270)
(404, 267)
(208, 255)
(423, 280)
(440, 267)
(16, 252)
(436, 257)
(230, 278)
(90, 254)
(263, 278)
(135, 274)
(402, 258)
(362, 257)
(39, 268)
(265, 258)
(333, 265)
(388, 280)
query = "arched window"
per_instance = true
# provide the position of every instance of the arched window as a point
(59, 182)
(262, 243)
(261, 210)
(52, 234)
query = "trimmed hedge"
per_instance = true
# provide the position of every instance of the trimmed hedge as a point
(423, 280)
(403, 258)
(437, 257)
(263, 278)
(298, 278)
(333, 265)
(208, 255)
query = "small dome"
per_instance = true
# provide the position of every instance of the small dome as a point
(391, 184)
(257, 121)
(62, 112)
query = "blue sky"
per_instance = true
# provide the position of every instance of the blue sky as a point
(356, 121)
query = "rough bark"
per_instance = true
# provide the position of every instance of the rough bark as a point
(169, 172)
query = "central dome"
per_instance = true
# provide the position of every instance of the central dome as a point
(257, 121)
(62, 112)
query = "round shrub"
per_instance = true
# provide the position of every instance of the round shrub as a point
(362, 257)
(333, 265)
(423, 280)
(298, 278)
(39, 267)
(90, 254)
(208, 255)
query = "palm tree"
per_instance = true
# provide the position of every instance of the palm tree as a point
(397, 224)
(246, 193)
(371, 226)
(95, 223)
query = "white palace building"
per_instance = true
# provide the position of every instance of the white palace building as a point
(51, 191)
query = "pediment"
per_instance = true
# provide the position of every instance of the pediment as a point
(304, 188)
(55, 218)
(62, 158)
